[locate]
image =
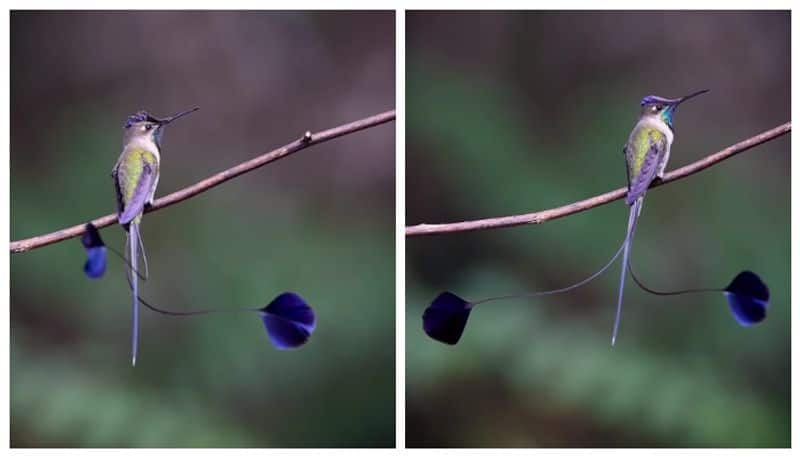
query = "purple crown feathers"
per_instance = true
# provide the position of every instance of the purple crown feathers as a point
(141, 116)
(654, 99)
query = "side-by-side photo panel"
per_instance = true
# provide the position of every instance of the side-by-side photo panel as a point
(202, 226)
(598, 229)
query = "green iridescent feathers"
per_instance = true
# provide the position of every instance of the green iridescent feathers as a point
(134, 179)
(646, 146)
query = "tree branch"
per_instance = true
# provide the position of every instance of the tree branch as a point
(303, 142)
(608, 197)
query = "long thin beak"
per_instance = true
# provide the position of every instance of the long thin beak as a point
(167, 120)
(687, 97)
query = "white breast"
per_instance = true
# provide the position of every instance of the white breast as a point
(148, 144)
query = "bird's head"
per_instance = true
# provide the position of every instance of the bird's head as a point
(664, 108)
(144, 126)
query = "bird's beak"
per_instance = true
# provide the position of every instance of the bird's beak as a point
(165, 121)
(687, 97)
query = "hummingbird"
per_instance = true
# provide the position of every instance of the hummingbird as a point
(646, 155)
(135, 177)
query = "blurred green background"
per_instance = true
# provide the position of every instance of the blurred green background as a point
(320, 223)
(510, 113)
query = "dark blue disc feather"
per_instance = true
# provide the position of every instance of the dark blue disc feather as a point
(289, 321)
(444, 320)
(748, 298)
(95, 265)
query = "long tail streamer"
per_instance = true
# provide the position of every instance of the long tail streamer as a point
(133, 236)
(635, 210)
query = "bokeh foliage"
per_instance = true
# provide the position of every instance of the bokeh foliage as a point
(516, 112)
(320, 223)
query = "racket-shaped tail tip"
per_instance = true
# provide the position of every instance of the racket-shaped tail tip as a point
(289, 321)
(444, 320)
(95, 265)
(748, 298)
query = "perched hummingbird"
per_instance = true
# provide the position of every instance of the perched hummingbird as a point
(135, 179)
(646, 155)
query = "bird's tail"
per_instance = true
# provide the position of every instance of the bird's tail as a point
(635, 210)
(133, 278)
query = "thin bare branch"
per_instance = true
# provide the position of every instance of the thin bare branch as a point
(589, 203)
(307, 140)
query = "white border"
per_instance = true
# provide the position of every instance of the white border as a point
(400, 219)
(399, 6)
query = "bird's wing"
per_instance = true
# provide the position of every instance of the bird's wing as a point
(117, 189)
(627, 167)
(134, 179)
(642, 169)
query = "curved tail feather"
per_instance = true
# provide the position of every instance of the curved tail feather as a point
(144, 255)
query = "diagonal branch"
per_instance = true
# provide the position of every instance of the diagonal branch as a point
(303, 142)
(608, 197)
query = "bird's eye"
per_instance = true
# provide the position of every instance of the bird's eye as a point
(148, 126)
(659, 107)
